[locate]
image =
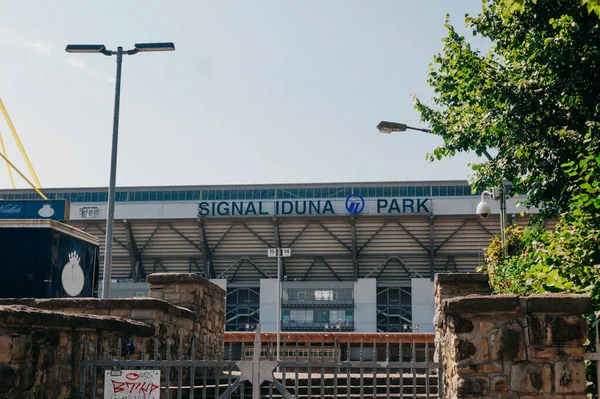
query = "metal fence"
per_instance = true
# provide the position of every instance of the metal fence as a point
(398, 375)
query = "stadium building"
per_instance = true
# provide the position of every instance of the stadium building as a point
(362, 255)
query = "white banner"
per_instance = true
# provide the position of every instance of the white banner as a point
(132, 384)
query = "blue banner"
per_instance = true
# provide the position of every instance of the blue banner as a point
(36, 209)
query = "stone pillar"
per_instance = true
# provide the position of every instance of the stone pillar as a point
(505, 346)
(450, 285)
(205, 299)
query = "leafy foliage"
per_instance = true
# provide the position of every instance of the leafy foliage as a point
(533, 97)
(519, 5)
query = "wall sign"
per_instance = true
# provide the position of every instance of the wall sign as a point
(35, 209)
(132, 384)
(354, 204)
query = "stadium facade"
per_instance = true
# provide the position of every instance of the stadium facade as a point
(363, 255)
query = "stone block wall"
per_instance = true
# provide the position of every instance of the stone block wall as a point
(41, 350)
(505, 346)
(205, 299)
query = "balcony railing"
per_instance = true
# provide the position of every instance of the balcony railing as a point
(295, 326)
(314, 303)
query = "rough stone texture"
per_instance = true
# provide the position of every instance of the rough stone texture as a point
(205, 299)
(504, 346)
(41, 344)
(41, 349)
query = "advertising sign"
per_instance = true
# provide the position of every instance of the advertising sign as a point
(132, 384)
(35, 209)
(354, 204)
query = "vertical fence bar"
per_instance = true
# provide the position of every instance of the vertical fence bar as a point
(193, 368)
(167, 370)
(348, 376)
(387, 369)
(309, 370)
(180, 369)
(374, 371)
(93, 381)
(270, 357)
(322, 367)
(362, 370)
(297, 390)
(283, 376)
(217, 375)
(401, 370)
(597, 361)
(204, 383)
(413, 370)
(229, 367)
(243, 357)
(335, 369)
(426, 367)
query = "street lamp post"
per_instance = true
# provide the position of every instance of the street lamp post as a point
(498, 194)
(101, 49)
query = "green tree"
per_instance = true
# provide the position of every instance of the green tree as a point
(533, 97)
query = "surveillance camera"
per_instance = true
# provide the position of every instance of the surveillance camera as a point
(484, 210)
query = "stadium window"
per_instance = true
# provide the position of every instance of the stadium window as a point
(167, 195)
(218, 195)
(160, 195)
(137, 196)
(372, 192)
(387, 191)
(443, 191)
(411, 191)
(152, 196)
(94, 197)
(379, 192)
(435, 191)
(419, 192)
(249, 194)
(257, 194)
(403, 192)
(182, 195)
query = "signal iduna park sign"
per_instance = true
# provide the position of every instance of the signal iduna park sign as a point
(354, 204)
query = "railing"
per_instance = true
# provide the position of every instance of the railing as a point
(346, 326)
(320, 377)
(313, 303)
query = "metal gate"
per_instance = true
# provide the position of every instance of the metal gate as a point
(260, 376)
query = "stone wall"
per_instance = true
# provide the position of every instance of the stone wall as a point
(40, 350)
(42, 340)
(205, 299)
(505, 346)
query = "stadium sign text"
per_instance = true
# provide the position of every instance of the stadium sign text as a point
(313, 207)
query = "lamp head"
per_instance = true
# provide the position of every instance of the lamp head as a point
(389, 127)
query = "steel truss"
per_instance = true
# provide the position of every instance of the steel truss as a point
(200, 256)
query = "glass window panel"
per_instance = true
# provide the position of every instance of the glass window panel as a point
(451, 190)
(181, 195)
(160, 195)
(387, 191)
(152, 195)
(317, 192)
(411, 191)
(145, 195)
(167, 195)
(403, 191)
(443, 191)
(249, 194)
(264, 194)
(257, 194)
(196, 195)
(435, 191)
(419, 192)
(137, 196)
(95, 197)
(379, 192)
(218, 195)
(226, 194)
(87, 197)
(210, 195)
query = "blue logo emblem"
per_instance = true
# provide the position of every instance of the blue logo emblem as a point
(355, 204)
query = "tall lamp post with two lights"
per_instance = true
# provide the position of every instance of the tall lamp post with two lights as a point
(101, 49)
(483, 208)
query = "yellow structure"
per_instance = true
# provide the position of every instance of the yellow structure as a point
(36, 185)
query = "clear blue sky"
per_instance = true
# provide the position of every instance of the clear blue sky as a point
(266, 91)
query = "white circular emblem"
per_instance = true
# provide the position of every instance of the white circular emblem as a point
(72, 276)
(46, 211)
